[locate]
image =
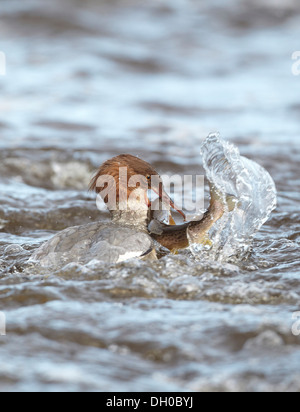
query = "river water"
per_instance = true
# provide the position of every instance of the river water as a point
(87, 80)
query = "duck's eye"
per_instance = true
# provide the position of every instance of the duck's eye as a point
(148, 177)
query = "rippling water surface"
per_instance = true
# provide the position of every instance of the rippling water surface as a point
(89, 80)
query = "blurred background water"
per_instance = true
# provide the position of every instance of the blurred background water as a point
(87, 80)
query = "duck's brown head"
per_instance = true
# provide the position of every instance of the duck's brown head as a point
(124, 181)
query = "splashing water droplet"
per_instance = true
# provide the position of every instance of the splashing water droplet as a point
(253, 187)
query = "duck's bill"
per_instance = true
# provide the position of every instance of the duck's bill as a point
(173, 206)
(165, 198)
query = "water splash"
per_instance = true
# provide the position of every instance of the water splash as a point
(250, 183)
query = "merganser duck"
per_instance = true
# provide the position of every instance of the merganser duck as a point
(134, 230)
(126, 236)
